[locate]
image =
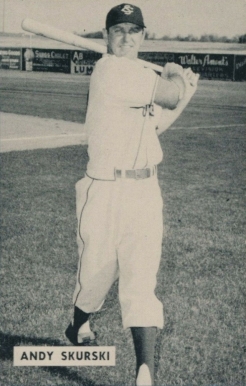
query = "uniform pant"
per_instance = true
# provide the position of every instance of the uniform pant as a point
(120, 229)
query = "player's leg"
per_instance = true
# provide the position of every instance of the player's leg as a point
(139, 258)
(80, 319)
(97, 232)
(139, 254)
(97, 267)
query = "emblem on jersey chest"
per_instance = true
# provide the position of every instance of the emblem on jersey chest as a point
(127, 9)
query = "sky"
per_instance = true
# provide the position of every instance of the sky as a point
(162, 17)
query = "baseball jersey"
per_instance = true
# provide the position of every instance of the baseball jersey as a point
(120, 121)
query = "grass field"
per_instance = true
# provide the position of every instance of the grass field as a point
(202, 275)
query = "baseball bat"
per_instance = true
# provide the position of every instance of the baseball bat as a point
(34, 26)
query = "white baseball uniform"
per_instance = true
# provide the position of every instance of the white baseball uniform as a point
(120, 224)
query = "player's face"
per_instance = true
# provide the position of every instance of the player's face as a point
(124, 39)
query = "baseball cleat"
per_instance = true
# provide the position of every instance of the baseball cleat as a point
(79, 339)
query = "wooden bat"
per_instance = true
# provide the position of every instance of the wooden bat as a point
(34, 26)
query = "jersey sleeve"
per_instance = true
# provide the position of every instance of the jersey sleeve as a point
(124, 81)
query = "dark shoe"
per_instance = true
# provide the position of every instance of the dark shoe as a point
(84, 339)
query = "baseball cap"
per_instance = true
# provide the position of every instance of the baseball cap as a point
(125, 13)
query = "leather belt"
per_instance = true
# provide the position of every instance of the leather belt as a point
(137, 174)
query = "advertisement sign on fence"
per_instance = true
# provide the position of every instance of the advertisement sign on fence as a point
(10, 58)
(83, 62)
(209, 66)
(47, 60)
(240, 67)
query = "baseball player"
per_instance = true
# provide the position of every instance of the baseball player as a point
(118, 202)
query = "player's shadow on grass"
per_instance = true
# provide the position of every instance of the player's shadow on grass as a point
(6, 353)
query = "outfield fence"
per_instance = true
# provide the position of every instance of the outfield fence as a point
(81, 62)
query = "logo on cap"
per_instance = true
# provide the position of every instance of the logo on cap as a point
(127, 9)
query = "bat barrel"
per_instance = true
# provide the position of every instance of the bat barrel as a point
(62, 36)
